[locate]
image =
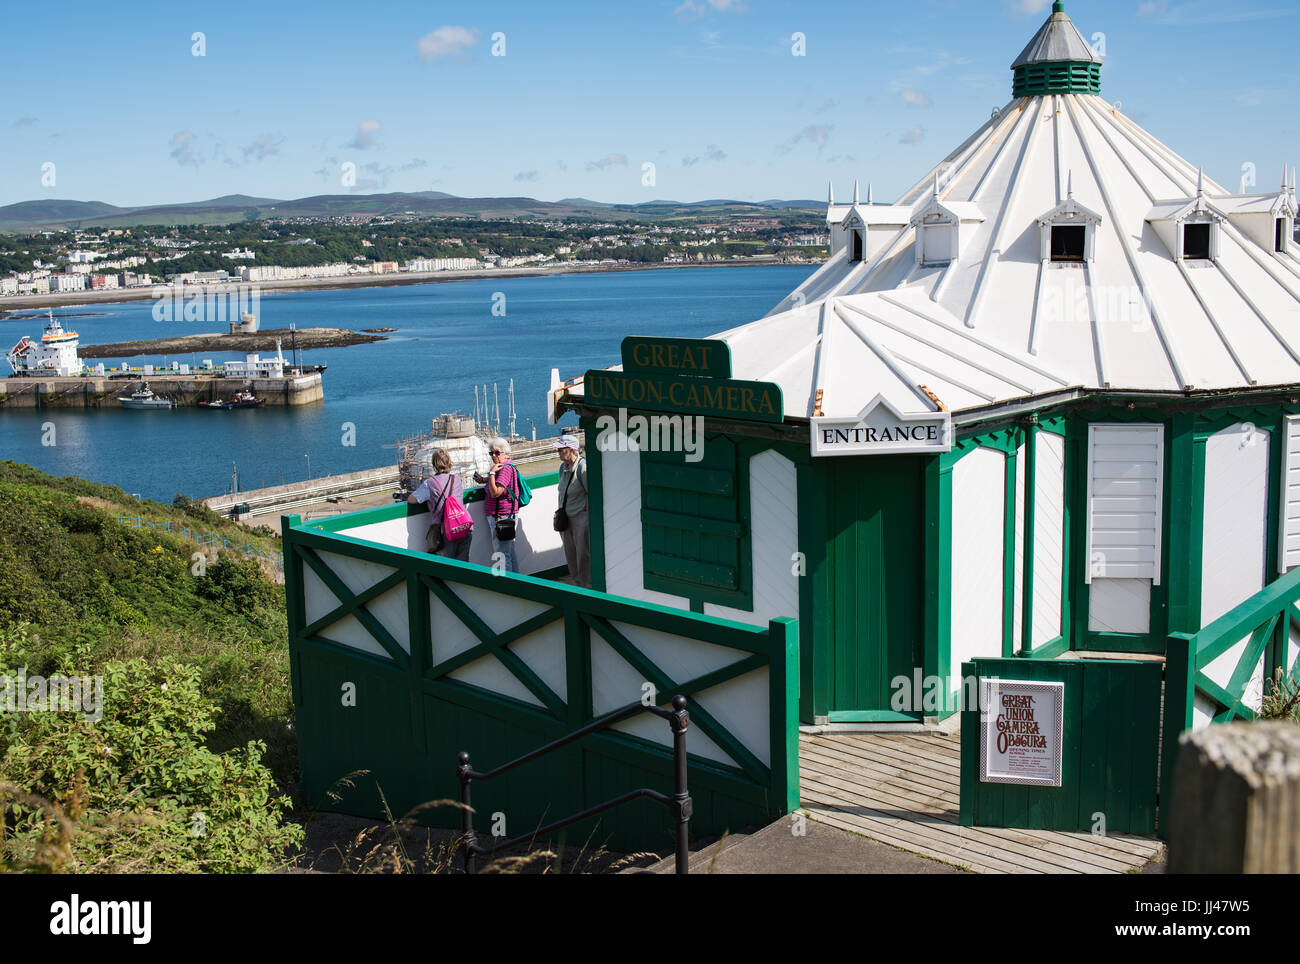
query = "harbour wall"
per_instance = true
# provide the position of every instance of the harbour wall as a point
(188, 390)
(278, 498)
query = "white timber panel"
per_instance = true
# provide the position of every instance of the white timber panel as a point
(620, 490)
(1049, 535)
(390, 609)
(537, 546)
(1018, 551)
(1119, 606)
(543, 652)
(616, 683)
(774, 520)
(449, 635)
(490, 674)
(1288, 555)
(1125, 483)
(499, 610)
(402, 532)
(978, 497)
(1234, 545)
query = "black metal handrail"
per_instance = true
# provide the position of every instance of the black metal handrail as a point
(679, 803)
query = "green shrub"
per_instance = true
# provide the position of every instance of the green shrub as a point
(137, 789)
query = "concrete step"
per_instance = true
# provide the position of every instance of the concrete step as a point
(790, 846)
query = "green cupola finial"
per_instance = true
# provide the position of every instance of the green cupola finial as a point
(1057, 61)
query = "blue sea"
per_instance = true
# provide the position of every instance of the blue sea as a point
(448, 341)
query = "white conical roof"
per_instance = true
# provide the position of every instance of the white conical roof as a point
(998, 322)
(1057, 40)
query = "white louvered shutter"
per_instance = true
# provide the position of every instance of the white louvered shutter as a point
(1288, 552)
(1125, 486)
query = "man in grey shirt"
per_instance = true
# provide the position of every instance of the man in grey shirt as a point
(573, 500)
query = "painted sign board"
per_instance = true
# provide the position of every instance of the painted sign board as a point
(702, 357)
(881, 429)
(1021, 732)
(685, 395)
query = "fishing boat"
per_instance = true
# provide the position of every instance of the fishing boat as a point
(145, 399)
(239, 400)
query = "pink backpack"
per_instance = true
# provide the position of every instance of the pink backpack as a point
(456, 521)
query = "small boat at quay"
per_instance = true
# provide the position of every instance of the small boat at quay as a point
(145, 399)
(239, 400)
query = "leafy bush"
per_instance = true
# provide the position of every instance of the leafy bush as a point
(104, 598)
(136, 789)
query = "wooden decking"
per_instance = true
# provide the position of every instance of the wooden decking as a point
(903, 789)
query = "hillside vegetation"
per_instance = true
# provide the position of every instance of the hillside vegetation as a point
(191, 764)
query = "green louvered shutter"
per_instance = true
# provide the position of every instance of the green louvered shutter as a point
(695, 523)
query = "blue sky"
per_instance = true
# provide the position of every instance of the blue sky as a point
(709, 91)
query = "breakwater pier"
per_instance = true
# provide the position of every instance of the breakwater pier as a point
(92, 391)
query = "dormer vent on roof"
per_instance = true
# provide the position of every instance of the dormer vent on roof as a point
(1057, 61)
(1189, 228)
(942, 227)
(1069, 231)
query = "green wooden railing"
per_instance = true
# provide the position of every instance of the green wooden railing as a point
(1264, 621)
(395, 631)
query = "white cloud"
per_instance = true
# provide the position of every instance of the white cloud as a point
(182, 144)
(365, 138)
(1027, 8)
(527, 175)
(690, 11)
(1203, 13)
(609, 160)
(446, 42)
(915, 98)
(25, 122)
(815, 133)
(914, 136)
(263, 147)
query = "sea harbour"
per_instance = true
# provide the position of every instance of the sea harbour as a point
(448, 341)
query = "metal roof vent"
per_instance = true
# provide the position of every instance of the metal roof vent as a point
(1057, 61)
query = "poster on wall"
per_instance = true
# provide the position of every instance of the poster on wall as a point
(1021, 735)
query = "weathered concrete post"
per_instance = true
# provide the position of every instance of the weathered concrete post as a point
(1236, 800)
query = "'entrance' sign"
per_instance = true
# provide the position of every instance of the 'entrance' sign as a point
(1021, 733)
(880, 429)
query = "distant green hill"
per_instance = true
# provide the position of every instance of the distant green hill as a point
(33, 215)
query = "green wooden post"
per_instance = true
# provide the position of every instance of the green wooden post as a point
(1027, 554)
(814, 594)
(783, 713)
(1184, 524)
(1009, 553)
(595, 504)
(420, 636)
(1180, 689)
(293, 599)
(938, 575)
(970, 753)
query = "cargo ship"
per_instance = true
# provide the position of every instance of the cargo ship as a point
(54, 354)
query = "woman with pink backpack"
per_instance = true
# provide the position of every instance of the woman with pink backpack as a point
(450, 528)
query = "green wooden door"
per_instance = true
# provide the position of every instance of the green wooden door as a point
(874, 527)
